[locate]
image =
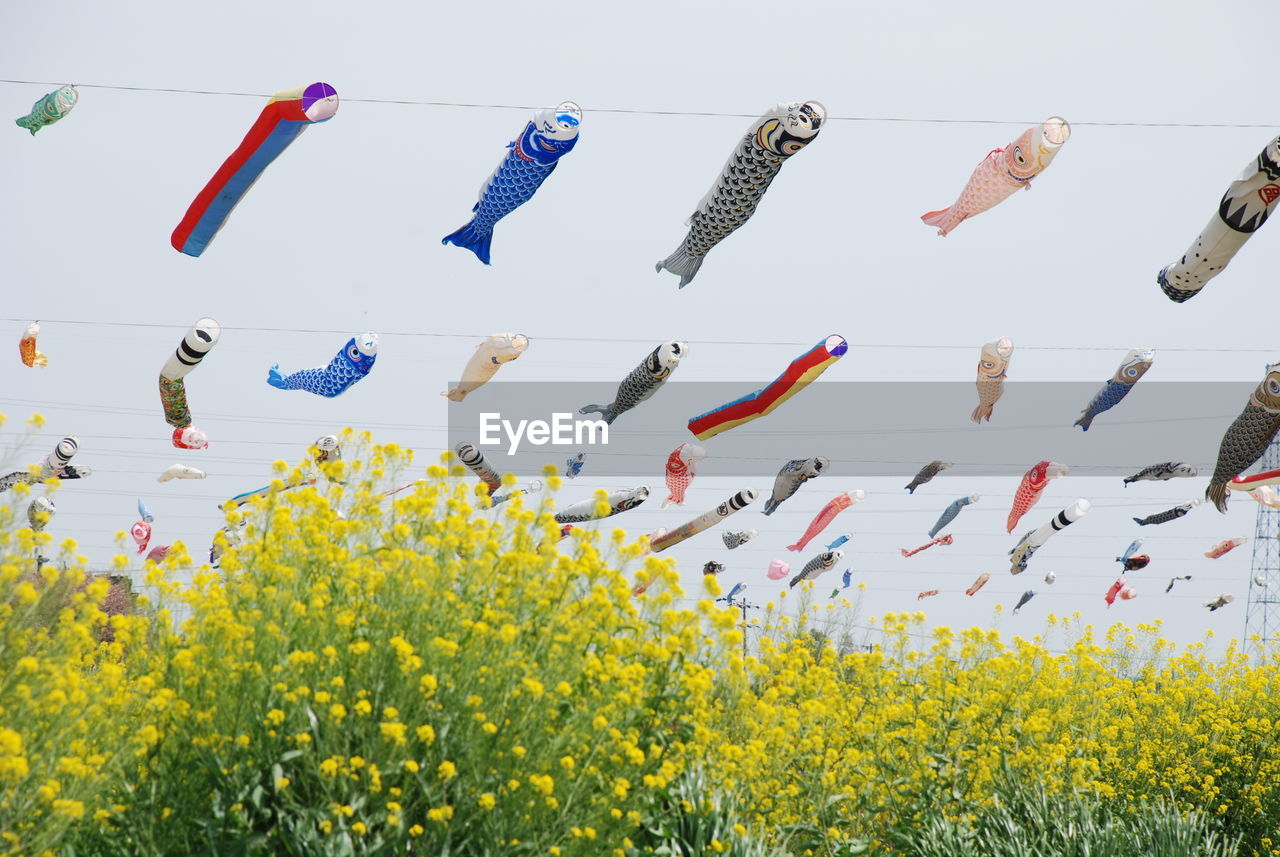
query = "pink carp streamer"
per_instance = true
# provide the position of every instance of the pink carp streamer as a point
(979, 583)
(1034, 481)
(1002, 172)
(834, 507)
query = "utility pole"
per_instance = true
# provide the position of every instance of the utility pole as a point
(1262, 614)
(742, 605)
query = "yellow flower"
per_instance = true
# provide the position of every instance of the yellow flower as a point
(446, 770)
(487, 801)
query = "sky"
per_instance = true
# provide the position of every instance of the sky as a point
(342, 234)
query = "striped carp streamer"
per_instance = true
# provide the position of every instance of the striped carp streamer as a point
(1135, 364)
(681, 470)
(1243, 209)
(643, 381)
(737, 502)
(49, 109)
(488, 358)
(476, 462)
(1033, 483)
(940, 540)
(617, 501)
(1002, 172)
(56, 465)
(27, 351)
(993, 366)
(1162, 472)
(791, 476)
(754, 164)
(532, 157)
(826, 515)
(197, 343)
(1247, 437)
(286, 115)
(802, 372)
(930, 470)
(816, 566)
(1167, 515)
(1034, 540)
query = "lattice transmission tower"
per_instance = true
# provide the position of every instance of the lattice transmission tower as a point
(1262, 614)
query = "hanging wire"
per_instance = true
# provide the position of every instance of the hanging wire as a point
(642, 112)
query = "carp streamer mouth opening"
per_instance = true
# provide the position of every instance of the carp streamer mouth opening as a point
(1056, 130)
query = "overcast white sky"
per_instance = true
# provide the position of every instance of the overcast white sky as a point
(343, 234)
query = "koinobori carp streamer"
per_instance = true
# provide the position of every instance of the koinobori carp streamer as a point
(1243, 209)
(286, 115)
(738, 501)
(802, 371)
(489, 356)
(193, 348)
(1247, 437)
(532, 157)
(1002, 172)
(754, 164)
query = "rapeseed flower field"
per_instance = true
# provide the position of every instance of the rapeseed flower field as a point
(422, 674)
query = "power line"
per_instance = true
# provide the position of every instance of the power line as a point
(643, 112)
(613, 339)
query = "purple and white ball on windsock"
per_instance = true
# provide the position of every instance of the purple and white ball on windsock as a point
(754, 164)
(198, 342)
(1247, 438)
(1245, 206)
(1134, 365)
(993, 366)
